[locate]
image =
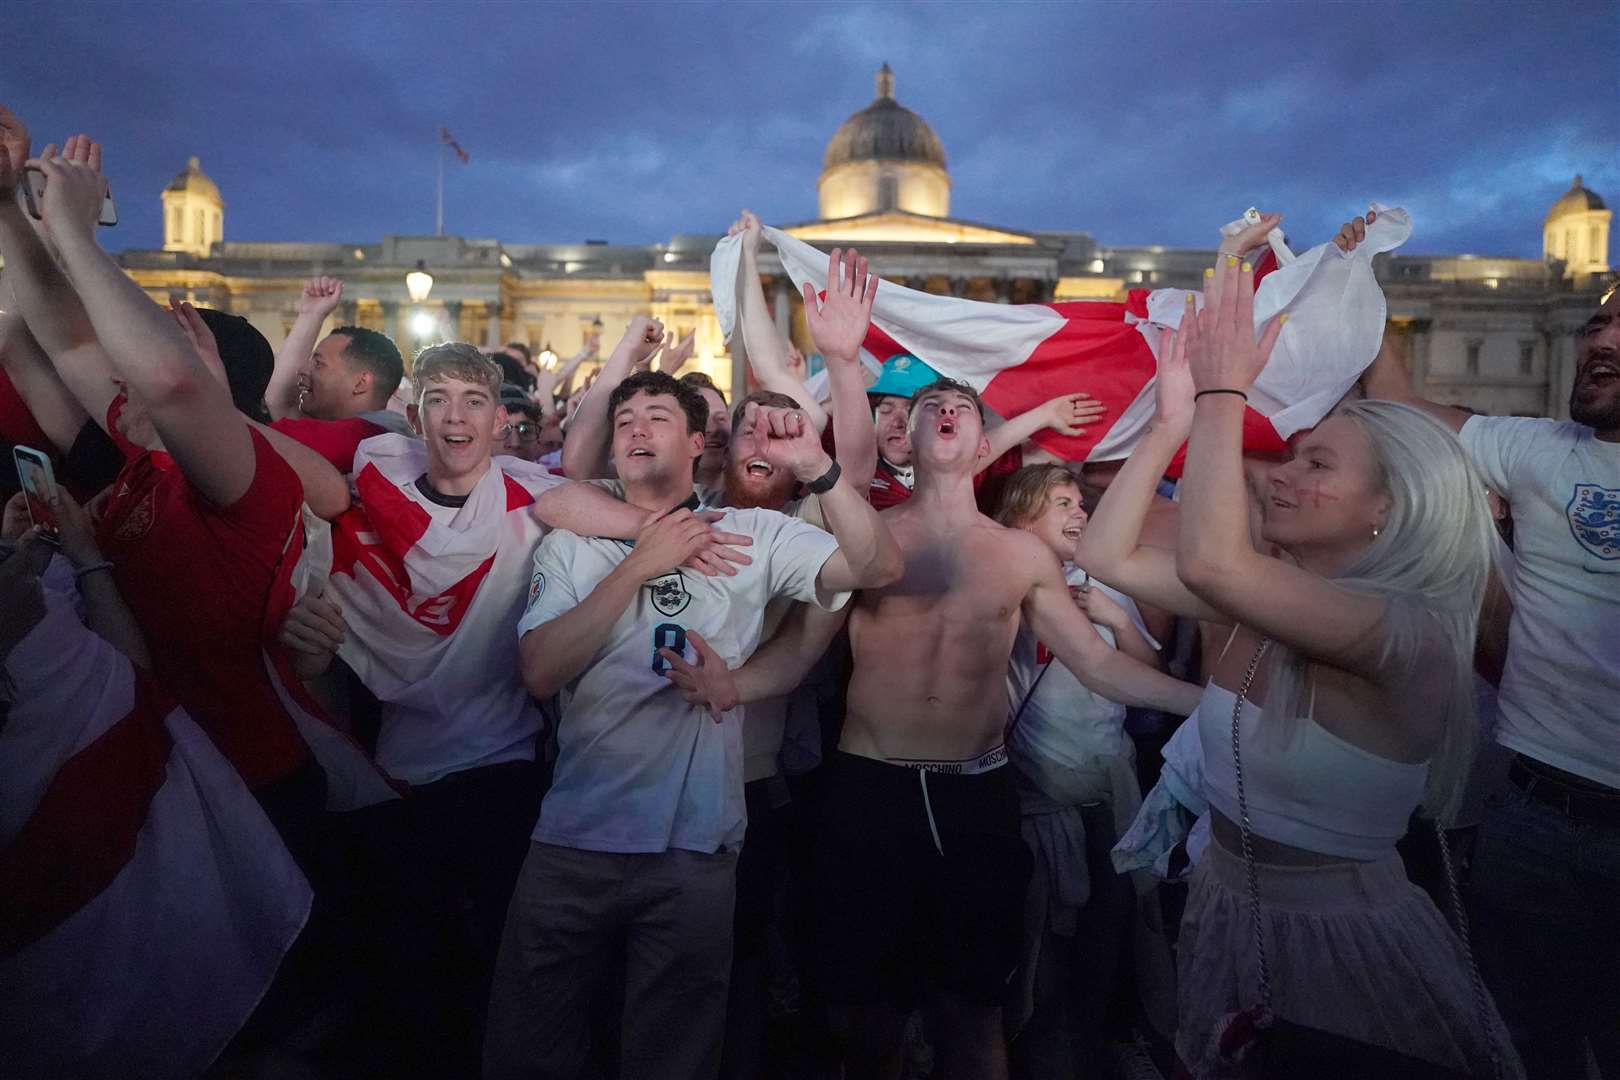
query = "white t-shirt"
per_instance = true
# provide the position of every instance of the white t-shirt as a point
(1560, 693)
(639, 769)
(1066, 733)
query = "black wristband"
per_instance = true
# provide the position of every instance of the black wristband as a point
(824, 483)
(1239, 393)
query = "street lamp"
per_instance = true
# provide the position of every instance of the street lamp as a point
(419, 283)
(548, 359)
(422, 324)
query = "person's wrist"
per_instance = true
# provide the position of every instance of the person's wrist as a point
(1223, 396)
(814, 469)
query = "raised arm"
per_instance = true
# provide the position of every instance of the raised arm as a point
(1389, 378)
(1111, 548)
(319, 299)
(43, 296)
(838, 327)
(767, 352)
(190, 408)
(1066, 415)
(867, 555)
(1215, 556)
(586, 448)
(1060, 624)
(325, 489)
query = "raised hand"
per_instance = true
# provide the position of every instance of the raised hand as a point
(74, 186)
(1173, 386)
(674, 356)
(751, 230)
(642, 339)
(1221, 351)
(320, 297)
(838, 325)
(1068, 413)
(1251, 236)
(14, 149)
(190, 322)
(708, 682)
(789, 440)
(1354, 232)
(1098, 605)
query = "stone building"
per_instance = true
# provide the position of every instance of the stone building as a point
(1495, 334)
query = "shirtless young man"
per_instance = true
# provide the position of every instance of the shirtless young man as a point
(921, 869)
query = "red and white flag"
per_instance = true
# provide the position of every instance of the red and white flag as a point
(432, 606)
(1020, 355)
(145, 899)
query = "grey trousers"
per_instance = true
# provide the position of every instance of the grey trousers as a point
(675, 910)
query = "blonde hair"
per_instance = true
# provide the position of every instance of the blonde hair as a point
(1024, 493)
(455, 360)
(1430, 561)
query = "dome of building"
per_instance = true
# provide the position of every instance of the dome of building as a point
(194, 181)
(884, 158)
(884, 131)
(1577, 200)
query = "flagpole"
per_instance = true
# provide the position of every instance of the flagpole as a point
(438, 221)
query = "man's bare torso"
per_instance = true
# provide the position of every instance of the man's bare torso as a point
(931, 650)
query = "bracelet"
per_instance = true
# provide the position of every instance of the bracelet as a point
(1239, 393)
(824, 483)
(92, 568)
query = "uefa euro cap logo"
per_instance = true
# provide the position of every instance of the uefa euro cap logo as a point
(1594, 518)
(902, 363)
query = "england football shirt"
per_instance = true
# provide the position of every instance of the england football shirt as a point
(1561, 683)
(638, 768)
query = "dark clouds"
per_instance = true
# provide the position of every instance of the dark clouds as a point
(1139, 123)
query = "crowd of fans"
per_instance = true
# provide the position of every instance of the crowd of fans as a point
(464, 721)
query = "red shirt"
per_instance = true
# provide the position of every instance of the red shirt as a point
(198, 579)
(334, 440)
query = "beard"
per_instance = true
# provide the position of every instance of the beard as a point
(1602, 414)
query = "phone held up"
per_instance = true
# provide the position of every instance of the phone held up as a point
(39, 487)
(33, 190)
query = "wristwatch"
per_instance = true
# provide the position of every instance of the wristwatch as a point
(824, 483)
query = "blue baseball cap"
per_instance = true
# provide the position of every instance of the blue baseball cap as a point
(902, 376)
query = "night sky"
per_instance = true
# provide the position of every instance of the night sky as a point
(1138, 123)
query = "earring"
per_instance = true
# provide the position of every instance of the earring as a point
(1375, 532)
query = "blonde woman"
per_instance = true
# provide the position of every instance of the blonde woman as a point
(1355, 650)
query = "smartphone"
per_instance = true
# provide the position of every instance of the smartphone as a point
(33, 189)
(38, 484)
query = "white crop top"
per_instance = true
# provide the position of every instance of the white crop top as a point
(1307, 787)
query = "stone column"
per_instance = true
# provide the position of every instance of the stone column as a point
(492, 333)
(348, 313)
(452, 319)
(393, 327)
(783, 306)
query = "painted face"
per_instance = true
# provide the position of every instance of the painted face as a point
(717, 435)
(1061, 522)
(890, 418)
(1325, 500)
(1594, 399)
(750, 479)
(650, 439)
(326, 384)
(946, 430)
(461, 425)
